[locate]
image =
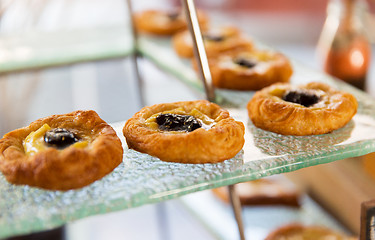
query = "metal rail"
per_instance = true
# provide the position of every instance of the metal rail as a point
(205, 76)
(199, 50)
(135, 55)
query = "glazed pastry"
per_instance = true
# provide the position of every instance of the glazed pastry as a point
(185, 132)
(165, 23)
(310, 109)
(265, 191)
(216, 41)
(60, 152)
(249, 70)
(300, 232)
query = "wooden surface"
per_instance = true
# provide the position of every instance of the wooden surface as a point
(341, 187)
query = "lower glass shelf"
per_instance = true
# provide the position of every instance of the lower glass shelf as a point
(259, 221)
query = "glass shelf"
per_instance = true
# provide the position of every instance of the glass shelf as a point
(142, 179)
(46, 49)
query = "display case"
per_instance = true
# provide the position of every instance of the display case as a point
(143, 179)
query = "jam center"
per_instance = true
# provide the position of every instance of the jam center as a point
(173, 15)
(301, 97)
(248, 63)
(213, 37)
(60, 138)
(177, 122)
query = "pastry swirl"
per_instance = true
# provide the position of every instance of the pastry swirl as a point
(298, 231)
(216, 41)
(27, 157)
(265, 191)
(220, 137)
(249, 70)
(331, 110)
(164, 23)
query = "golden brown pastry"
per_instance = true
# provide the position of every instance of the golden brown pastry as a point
(185, 132)
(310, 109)
(300, 232)
(216, 41)
(265, 191)
(60, 152)
(249, 70)
(164, 23)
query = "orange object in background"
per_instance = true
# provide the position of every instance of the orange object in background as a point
(349, 61)
(344, 43)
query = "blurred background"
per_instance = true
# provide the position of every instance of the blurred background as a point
(57, 56)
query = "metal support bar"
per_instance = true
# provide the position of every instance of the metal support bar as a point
(199, 50)
(135, 55)
(236, 206)
(205, 76)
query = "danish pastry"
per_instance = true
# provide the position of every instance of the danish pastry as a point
(298, 231)
(311, 109)
(249, 70)
(265, 191)
(185, 132)
(216, 41)
(60, 152)
(167, 23)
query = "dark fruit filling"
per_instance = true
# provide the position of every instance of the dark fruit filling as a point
(213, 37)
(248, 63)
(173, 15)
(301, 97)
(176, 122)
(60, 138)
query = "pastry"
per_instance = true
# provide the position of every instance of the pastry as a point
(216, 41)
(60, 152)
(301, 232)
(249, 70)
(310, 109)
(185, 132)
(165, 23)
(265, 191)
